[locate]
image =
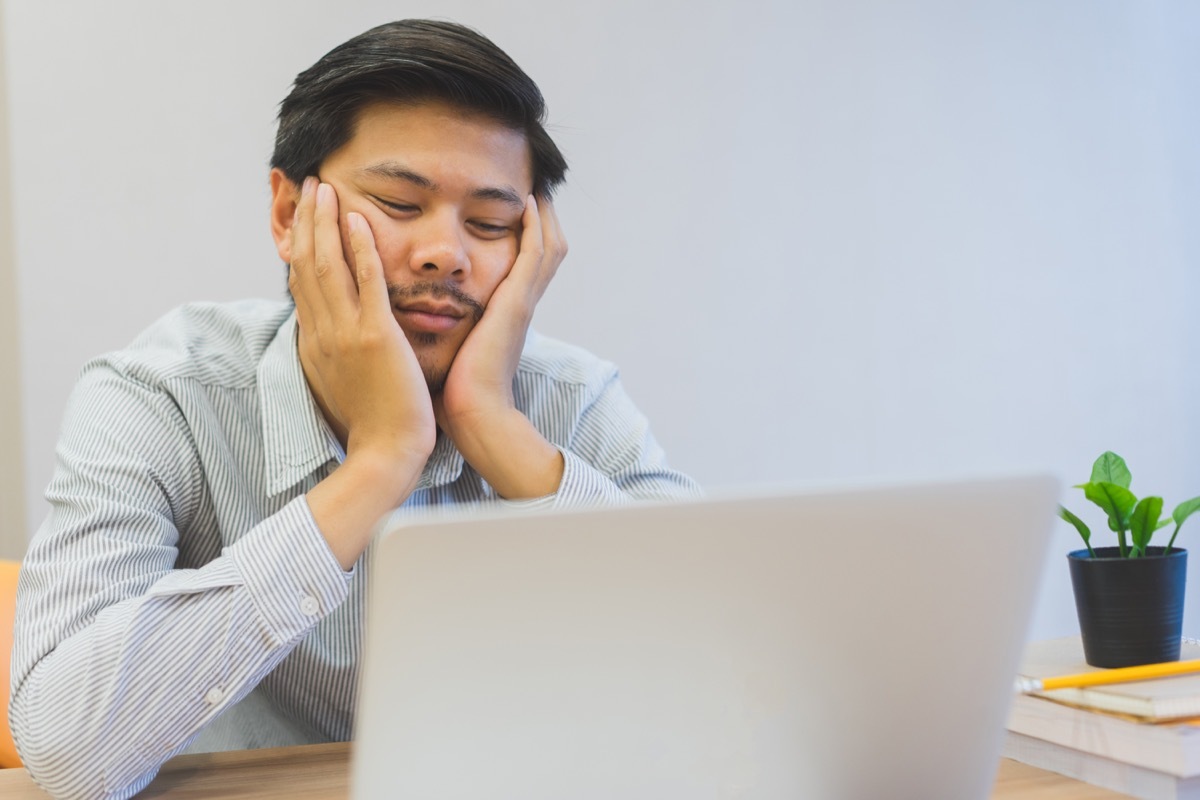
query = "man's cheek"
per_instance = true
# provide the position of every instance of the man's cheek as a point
(392, 249)
(512, 251)
(497, 272)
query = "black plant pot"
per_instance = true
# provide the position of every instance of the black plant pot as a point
(1130, 609)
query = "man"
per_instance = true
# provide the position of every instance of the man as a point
(201, 576)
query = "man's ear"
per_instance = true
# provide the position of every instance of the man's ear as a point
(284, 197)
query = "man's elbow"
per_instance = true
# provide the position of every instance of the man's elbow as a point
(57, 750)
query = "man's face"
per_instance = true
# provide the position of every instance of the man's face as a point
(443, 191)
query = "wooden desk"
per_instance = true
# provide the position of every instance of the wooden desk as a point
(320, 772)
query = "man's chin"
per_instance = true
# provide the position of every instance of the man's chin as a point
(435, 372)
(422, 338)
(434, 354)
(436, 381)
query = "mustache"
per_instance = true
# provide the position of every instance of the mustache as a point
(439, 291)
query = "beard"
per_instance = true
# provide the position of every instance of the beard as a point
(425, 344)
(435, 373)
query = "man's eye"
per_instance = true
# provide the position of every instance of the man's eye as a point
(401, 207)
(488, 227)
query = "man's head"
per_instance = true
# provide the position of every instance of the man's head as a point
(411, 62)
(435, 136)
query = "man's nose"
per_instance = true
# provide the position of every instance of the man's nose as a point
(438, 248)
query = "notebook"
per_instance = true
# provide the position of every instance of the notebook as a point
(1172, 749)
(854, 643)
(1159, 700)
(1128, 779)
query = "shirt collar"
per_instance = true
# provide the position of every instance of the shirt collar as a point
(296, 439)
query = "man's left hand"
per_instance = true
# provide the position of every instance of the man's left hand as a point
(476, 406)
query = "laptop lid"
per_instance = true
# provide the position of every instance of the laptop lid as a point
(839, 644)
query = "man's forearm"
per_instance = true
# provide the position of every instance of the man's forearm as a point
(349, 503)
(98, 713)
(510, 454)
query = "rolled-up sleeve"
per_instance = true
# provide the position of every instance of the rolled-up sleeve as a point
(609, 454)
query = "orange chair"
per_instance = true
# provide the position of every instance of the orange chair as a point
(8, 608)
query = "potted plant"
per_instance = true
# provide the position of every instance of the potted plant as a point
(1129, 598)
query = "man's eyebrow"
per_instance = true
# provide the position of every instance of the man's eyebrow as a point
(505, 194)
(395, 171)
(398, 172)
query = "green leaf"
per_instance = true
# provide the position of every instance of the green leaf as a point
(1110, 468)
(1080, 526)
(1162, 523)
(1181, 513)
(1117, 502)
(1144, 521)
(1185, 510)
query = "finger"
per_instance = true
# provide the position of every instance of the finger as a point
(368, 271)
(303, 311)
(554, 243)
(532, 248)
(329, 263)
(301, 281)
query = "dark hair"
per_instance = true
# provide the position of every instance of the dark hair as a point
(410, 61)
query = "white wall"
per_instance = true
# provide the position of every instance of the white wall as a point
(824, 240)
(12, 466)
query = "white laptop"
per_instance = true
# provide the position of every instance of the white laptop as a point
(856, 644)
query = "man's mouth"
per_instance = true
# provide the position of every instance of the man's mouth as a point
(432, 308)
(429, 316)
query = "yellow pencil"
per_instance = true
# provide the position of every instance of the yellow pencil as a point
(1145, 672)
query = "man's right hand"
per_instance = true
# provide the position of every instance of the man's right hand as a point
(361, 370)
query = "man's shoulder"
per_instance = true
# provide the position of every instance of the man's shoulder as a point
(211, 343)
(551, 359)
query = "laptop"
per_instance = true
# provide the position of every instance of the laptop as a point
(858, 643)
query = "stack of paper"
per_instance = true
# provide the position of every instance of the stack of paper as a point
(1142, 739)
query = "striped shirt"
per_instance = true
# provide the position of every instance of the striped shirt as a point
(179, 594)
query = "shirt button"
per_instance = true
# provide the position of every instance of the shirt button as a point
(309, 606)
(214, 696)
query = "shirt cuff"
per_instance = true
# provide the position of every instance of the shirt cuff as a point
(583, 485)
(290, 572)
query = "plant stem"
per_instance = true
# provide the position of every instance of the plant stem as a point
(1167, 552)
(1121, 542)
